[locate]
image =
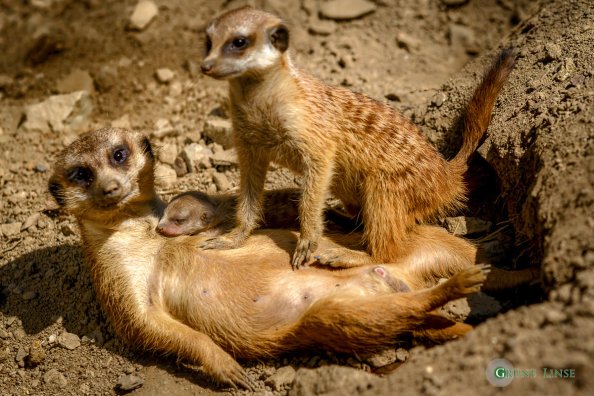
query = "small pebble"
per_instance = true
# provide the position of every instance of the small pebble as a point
(68, 340)
(129, 382)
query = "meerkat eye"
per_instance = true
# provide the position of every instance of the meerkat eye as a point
(239, 43)
(179, 221)
(80, 175)
(120, 155)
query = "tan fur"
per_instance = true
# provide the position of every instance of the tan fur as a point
(377, 162)
(209, 307)
(195, 212)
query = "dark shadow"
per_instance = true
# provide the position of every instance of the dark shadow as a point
(62, 285)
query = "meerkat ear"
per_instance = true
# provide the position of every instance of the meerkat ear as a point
(55, 189)
(279, 37)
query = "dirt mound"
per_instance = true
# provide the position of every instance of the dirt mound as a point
(533, 179)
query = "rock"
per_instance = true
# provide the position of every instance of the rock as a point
(225, 158)
(463, 225)
(29, 295)
(52, 339)
(67, 229)
(553, 51)
(20, 357)
(144, 12)
(165, 176)
(180, 167)
(383, 358)
(163, 128)
(221, 181)
(554, 316)
(36, 354)
(566, 69)
(282, 378)
(219, 131)
(164, 75)
(4, 354)
(42, 4)
(322, 27)
(439, 99)
(58, 112)
(31, 221)
(129, 382)
(77, 80)
(68, 340)
(346, 9)
(175, 89)
(167, 153)
(464, 37)
(55, 378)
(407, 42)
(10, 229)
(196, 157)
(122, 122)
(332, 380)
(40, 168)
(452, 3)
(402, 354)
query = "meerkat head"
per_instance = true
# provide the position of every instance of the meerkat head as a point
(242, 42)
(103, 172)
(188, 213)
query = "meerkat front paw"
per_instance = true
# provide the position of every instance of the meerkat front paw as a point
(342, 258)
(231, 240)
(303, 252)
(469, 280)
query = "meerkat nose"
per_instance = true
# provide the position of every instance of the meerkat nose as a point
(206, 66)
(112, 188)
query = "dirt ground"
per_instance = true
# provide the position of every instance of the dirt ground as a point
(532, 180)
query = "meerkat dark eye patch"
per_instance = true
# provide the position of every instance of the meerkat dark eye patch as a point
(80, 175)
(207, 45)
(147, 148)
(120, 155)
(279, 37)
(55, 189)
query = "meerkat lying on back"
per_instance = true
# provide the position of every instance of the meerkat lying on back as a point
(195, 212)
(164, 294)
(377, 162)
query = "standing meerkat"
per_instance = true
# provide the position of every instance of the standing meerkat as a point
(210, 307)
(376, 161)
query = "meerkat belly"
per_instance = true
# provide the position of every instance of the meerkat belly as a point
(289, 297)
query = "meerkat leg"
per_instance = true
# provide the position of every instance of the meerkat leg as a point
(161, 332)
(500, 279)
(386, 220)
(315, 188)
(439, 329)
(346, 325)
(341, 257)
(253, 167)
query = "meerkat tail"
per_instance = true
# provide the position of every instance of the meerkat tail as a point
(478, 111)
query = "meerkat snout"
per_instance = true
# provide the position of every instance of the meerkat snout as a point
(112, 188)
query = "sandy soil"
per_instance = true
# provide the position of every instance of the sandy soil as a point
(532, 180)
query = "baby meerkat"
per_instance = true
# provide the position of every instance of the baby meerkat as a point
(210, 306)
(195, 212)
(376, 161)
